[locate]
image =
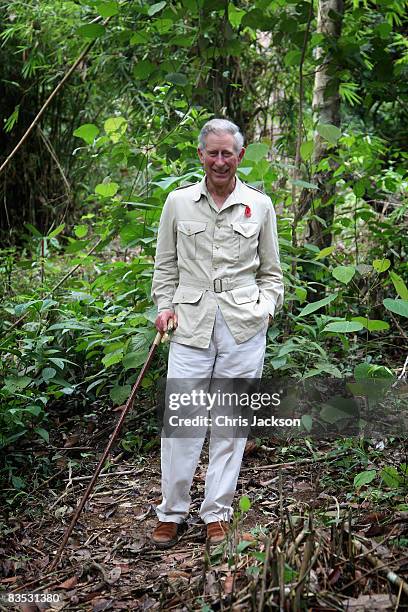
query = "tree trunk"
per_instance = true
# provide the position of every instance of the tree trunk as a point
(326, 107)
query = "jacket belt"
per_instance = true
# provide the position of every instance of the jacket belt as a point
(218, 285)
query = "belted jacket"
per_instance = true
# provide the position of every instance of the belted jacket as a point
(208, 257)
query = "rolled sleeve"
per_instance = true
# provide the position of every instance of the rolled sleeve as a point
(269, 274)
(166, 273)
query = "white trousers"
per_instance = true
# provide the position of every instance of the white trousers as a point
(224, 358)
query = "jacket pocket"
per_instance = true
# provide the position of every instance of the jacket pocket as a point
(187, 295)
(247, 234)
(191, 239)
(244, 295)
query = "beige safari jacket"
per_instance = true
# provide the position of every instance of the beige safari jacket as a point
(208, 257)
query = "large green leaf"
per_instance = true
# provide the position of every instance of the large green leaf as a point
(256, 151)
(156, 8)
(390, 476)
(91, 31)
(343, 327)
(344, 274)
(143, 69)
(135, 359)
(381, 265)
(107, 9)
(313, 306)
(364, 478)
(329, 132)
(107, 190)
(372, 324)
(399, 285)
(399, 307)
(235, 15)
(177, 78)
(119, 394)
(306, 150)
(88, 132)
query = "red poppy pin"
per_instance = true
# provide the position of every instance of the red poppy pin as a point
(247, 211)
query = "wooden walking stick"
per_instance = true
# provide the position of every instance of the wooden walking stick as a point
(112, 439)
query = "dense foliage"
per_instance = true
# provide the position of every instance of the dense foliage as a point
(82, 197)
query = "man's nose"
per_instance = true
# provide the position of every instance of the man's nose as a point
(220, 158)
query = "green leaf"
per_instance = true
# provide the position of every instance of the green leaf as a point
(256, 151)
(306, 150)
(107, 190)
(399, 307)
(107, 9)
(177, 78)
(80, 231)
(16, 383)
(364, 478)
(120, 394)
(292, 58)
(88, 132)
(325, 252)
(304, 184)
(344, 274)
(135, 359)
(343, 327)
(57, 231)
(235, 15)
(91, 31)
(329, 132)
(243, 545)
(390, 476)
(139, 38)
(372, 324)
(112, 358)
(381, 265)
(244, 503)
(361, 371)
(307, 422)
(313, 306)
(399, 285)
(301, 294)
(48, 373)
(156, 8)
(115, 127)
(143, 69)
(43, 433)
(33, 230)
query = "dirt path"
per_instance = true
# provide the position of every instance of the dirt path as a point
(295, 543)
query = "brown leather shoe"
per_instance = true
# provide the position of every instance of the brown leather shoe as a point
(216, 532)
(166, 535)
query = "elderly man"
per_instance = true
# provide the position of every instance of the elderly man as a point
(217, 276)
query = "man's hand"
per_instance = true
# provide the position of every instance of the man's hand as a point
(162, 320)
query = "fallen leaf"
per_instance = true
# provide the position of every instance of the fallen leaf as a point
(250, 448)
(72, 441)
(248, 537)
(69, 583)
(228, 584)
(369, 603)
(114, 575)
(9, 580)
(334, 576)
(100, 604)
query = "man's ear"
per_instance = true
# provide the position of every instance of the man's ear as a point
(241, 154)
(200, 155)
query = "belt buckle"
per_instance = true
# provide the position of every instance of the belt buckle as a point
(218, 285)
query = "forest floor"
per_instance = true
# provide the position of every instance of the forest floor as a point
(305, 541)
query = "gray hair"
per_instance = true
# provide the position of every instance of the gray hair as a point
(217, 126)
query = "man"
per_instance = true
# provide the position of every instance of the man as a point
(217, 276)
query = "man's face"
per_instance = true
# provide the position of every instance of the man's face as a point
(220, 159)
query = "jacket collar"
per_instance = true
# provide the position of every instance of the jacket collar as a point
(236, 197)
